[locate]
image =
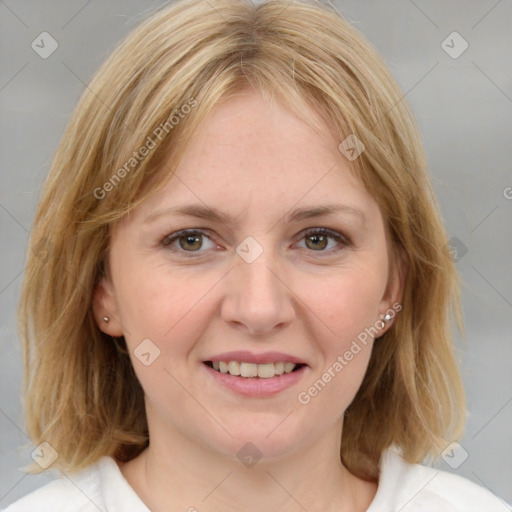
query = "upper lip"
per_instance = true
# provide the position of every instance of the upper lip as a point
(244, 356)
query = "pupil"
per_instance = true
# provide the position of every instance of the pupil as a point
(190, 240)
(317, 238)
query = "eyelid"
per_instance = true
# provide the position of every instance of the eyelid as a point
(336, 235)
(340, 238)
(172, 237)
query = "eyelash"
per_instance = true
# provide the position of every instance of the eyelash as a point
(169, 239)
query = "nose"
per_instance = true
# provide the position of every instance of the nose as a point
(258, 300)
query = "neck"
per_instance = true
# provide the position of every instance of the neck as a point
(180, 474)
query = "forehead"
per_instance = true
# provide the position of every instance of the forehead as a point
(250, 154)
(246, 134)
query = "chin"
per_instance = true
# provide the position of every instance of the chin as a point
(266, 439)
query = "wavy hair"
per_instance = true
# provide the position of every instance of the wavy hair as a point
(80, 393)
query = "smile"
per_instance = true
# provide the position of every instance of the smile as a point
(253, 370)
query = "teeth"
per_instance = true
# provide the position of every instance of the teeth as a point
(279, 368)
(288, 367)
(248, 370)
(263, 371)
(234, 368)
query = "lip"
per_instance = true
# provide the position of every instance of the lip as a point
(249, 357)
(256, 387)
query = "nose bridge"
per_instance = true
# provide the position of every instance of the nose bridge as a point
(256, 271)
(256, 297)
(258, 279)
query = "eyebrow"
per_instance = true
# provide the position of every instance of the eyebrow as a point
(199, 211)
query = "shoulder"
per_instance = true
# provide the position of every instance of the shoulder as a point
(98, 488)
(416, 488)
(79, 492)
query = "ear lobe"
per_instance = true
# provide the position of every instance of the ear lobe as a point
(105, 305)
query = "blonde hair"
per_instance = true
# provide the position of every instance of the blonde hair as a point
(80, 392)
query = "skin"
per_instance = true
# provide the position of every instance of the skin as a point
(256, 163)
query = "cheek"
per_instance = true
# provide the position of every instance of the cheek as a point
(168, 307)
(346, 302)
(345, 310)
(161, 306)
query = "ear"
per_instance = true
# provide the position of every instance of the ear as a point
(395, 289)
(105, 305)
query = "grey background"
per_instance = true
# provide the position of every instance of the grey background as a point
(463, 105)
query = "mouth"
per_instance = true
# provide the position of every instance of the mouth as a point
(248, 370)
(255, 375)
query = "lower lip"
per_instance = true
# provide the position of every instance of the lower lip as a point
(256, 386)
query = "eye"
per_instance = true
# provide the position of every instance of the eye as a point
(190, 242)
(317, 239)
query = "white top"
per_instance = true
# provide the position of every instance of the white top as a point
(402, 487)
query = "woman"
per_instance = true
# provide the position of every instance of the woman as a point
(239, 293)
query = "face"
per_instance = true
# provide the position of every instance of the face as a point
(259, 287)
